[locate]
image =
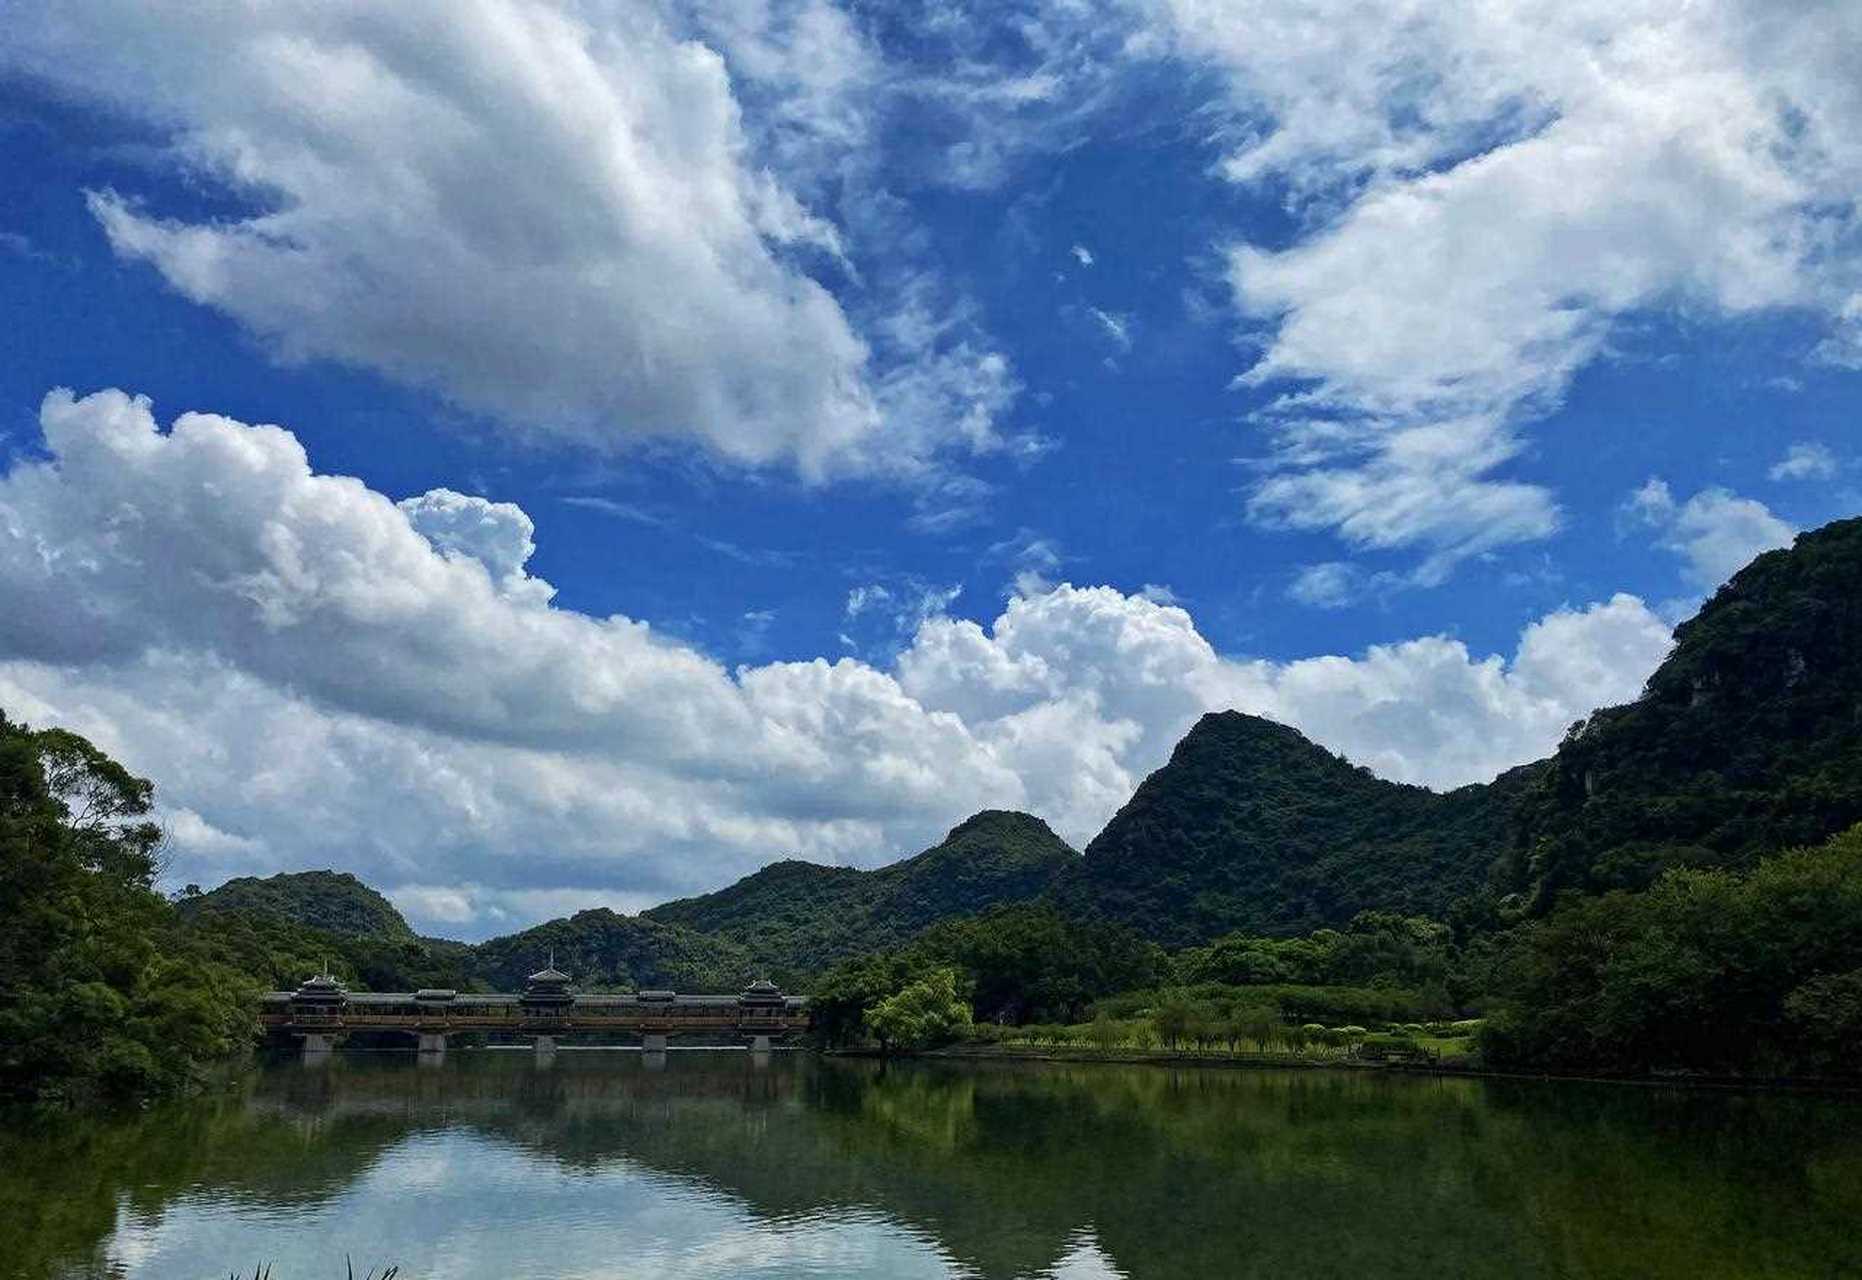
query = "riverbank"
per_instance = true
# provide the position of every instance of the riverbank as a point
(996, 1052)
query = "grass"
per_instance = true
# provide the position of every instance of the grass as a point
(263, 1271)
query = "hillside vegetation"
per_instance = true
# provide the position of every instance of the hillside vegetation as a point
(606, 951)
(1253, 827)
(331, 900)
(1748, 739)
(793, 919)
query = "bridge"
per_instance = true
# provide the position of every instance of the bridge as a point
(322, 1011)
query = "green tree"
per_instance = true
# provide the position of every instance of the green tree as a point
(105, 992)
(1172, 1021)
(928, 1011)
(1708, 970)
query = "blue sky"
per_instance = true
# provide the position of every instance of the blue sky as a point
(1054, 374)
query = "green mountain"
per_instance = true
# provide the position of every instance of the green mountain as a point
(604, 950)
(331, 900)
(1253, 827)
(796, 918)
(1747, 740)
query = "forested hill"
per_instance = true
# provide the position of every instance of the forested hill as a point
(795, 918)
(331, 900)
(604, 950)
(1747, 740)
(1252, 827)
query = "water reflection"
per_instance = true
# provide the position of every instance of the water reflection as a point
(608, 1165)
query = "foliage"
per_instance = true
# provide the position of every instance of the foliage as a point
(1020, 964)
(1252, 827)
(106, 993)
(796, 919)
(603, 950)
(928, 1011)
(1291, 1004)
(1377, 949)
(1708, 970)
(1746, 741)
(334, 901)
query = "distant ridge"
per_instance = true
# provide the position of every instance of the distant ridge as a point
(797, 917)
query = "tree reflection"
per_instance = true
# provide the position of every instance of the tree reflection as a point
(1009, 1166)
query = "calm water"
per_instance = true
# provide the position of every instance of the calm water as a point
(600, 1165)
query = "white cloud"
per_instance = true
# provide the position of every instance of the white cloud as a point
(499, 535)
(1488, 188)
(1715, 532)
(1331, 585)
(1116, 327)
(867, 596)
(1084, 690)
(1082, 255)
(315, 681)
(560, 215)
(1805, 461)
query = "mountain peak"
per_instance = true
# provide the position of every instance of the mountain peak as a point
(333, 900)
(1251, 825)
(797, 916)
(991, 823)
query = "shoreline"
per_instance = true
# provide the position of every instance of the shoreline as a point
(1289, 1062)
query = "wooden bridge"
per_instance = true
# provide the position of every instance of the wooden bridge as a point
(322, 1011)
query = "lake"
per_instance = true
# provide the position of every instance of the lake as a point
(713, 1164)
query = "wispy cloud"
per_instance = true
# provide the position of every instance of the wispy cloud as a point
(1805, 461)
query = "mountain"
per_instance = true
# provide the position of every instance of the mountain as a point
(331, 900)
(604, 950)
(795, 918)
(1253, 827)
(1747, 739)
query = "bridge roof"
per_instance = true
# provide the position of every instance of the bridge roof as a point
(584, 1000)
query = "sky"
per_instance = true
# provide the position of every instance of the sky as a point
(539, 456)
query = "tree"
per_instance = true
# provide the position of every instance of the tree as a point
(931, 1010)
(1707, 970)
(1172, 1021)
(106, 993)
(1261, 1025)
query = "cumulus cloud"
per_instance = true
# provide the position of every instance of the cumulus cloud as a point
(1488, 188)
(559, 215)
(1083, 690)
(1805, 460)
(316, 675)
(1716, 532)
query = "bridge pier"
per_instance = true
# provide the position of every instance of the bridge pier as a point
(545, 1046)
(432, 1042)
(317, 1048)
(759, 1044)
(653, 1043)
